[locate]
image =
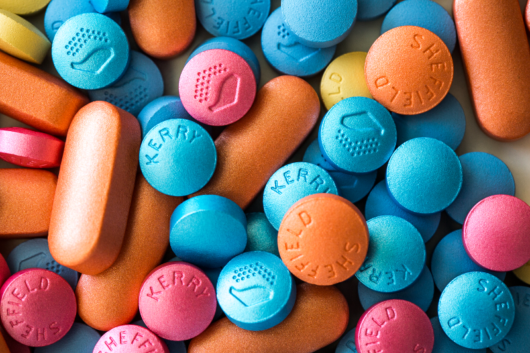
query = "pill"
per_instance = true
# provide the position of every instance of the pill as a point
(424, 175)
(309, 21)
(443, 344)
(217, 87)
(357, 135)
(23, 7)
(523, 273)
(102, 6)
(43, 305)
(311, 248)
(110, 298)
(27, 197)
(261, 235)
(445, 122)
(5, 272)
(213, 275)
(291, 183)
(172, 346)
(80, 338)
(483, 175)
(469, 294)
(344, 78)
(14, 346)
(409, 70)
(283, 51)
(314, 305)
(314, 155)
(495, 233)
(141, 83)
(285, 101)
(90, 51)
(528, 15)
(394, 326)
(28, 148)
(370, 9)
(347, 343)
(208, 231)
(97, 176)
(130, 339)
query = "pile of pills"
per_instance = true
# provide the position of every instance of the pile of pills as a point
(146, 233)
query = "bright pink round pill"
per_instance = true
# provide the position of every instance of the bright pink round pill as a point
(217, 87)
(394, 326)
(177, 301)
(38, 307)
(28, 148)
(4, 271)
(130, 339)
(496, 233)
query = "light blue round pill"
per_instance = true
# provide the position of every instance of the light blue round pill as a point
(283, 51)
(396, 255)
(80, 339)
(424, 175)
(422, 13)
(141, 83)
(347, 343)
(372, 9)
(484, 175)
(256, 291)
(353, 187)
(476, 310)
(238, 19)
(313, 155)
(319, 23)
(261, 234)
(90, 51)
(450, 260)
(291, 183)
(178, 157)
(357, 135)
(102, 6)
(443, 344)
(421, 293)
(208, 230)
(172, 346)
(35, 253)
(445, 122)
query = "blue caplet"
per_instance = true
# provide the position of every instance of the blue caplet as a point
(261, 234)
(102, 6)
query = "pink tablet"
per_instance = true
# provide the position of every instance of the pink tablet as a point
(130, 339)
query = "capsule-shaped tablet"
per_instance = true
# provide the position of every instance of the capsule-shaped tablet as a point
(319, 317)
(95, 188)
(496, 57)
(284, 112)
(163, 28)
(37, 98)
(115, 291)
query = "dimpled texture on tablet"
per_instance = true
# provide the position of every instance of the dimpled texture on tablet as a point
(476, 310)
(424, 175)
(90, 51)
(23, 7)
(357, 135)
(371, 9)
(80, 339)
(283, 51)
(319, 23)
(496, 232)
(130, 339)
(311, 245)
(291, 183)
(523, 273)
(354, 187)
(484, 175)
(102, 6)
(443, 344)
(409, 70)
(261, 234)
(347, 343)
(172, 346)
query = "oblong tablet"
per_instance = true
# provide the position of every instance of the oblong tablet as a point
(496, 57)
(23, 7)
(28, 148)
(97, 176)
(301, 331)
(287, 102)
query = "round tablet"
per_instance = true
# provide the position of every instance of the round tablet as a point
(347, 343)
(177, 301)
(38, 307)
(5, 273)
(208, 230)
(80, 339)
(443, 344)
(172, 346)
(372, 9)
(394, 326)
(423, 13)
(354, 187)
(409, 70)
(130, 339)
(344, 78)
(178, 157)
(445, 122)
(291, 183)
(90, 51)
(217, 87)
(396, 256)
(261, 234)
(102, 6)
(320, 23)
(450, 260)
(285, 53)
(23, 7)
(523, 273)
(424, 175)
(496, 232)
(476, 310)
(28, 148)
(313, 155)
(256, 291)
(311, 246)
(484, 175)
(357, 135)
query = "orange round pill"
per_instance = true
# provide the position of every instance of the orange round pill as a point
(409, 70)
(323, 239)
